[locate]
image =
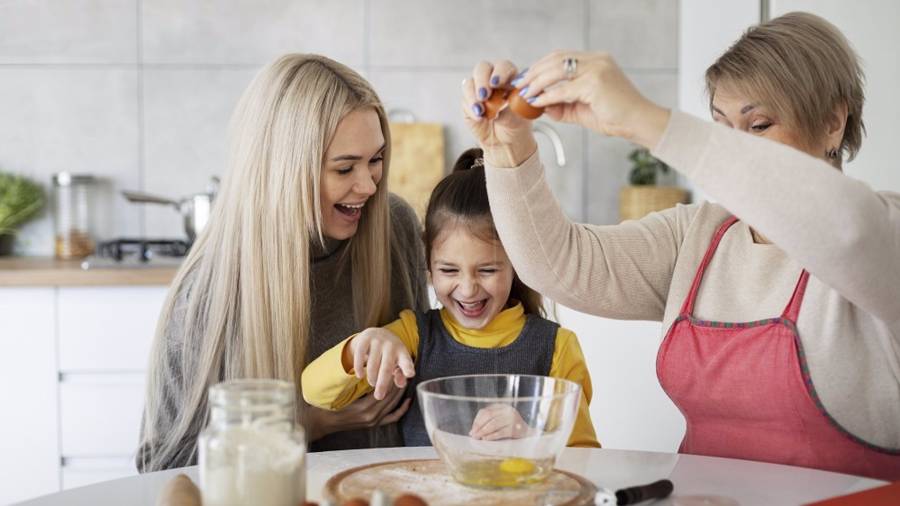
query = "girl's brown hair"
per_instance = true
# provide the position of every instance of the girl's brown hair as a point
(462, 198)
(802, 67)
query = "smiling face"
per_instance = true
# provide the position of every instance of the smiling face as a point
(737, 111)
(351, 172)
(471, 275)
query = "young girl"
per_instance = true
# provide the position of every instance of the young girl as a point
(490, 322)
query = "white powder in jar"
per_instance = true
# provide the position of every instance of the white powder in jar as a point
(247, 465)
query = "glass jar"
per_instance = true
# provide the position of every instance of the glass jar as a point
(252, 451)
(72, 199)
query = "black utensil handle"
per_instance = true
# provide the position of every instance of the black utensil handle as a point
(656, 490)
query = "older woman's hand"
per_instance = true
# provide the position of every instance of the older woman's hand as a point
(507, 140)
(591, 90)
(365, 412)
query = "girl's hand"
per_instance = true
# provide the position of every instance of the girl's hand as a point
(363, 413)
(382, 358)
(507, 140)
(499, 421)
(597, 95)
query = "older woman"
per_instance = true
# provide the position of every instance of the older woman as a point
(780, 301)
(304, 248)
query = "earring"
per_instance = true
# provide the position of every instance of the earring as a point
(832, 153)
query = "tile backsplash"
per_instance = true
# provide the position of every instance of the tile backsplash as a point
(139, 92)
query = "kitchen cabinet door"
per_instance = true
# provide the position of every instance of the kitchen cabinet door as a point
(107, 328)
(87, 471)
(29, 441)
(100, 414)
(629, 408)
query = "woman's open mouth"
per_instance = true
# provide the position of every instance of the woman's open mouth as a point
(471, 309)
(351, 211)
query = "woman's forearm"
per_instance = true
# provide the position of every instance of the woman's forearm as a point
(618, 271)
(838, 228)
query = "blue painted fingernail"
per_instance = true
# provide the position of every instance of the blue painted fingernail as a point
(515, 82)
(523, 91)
(495, 80)
(531, 100)
(482, 93)
(477, 109)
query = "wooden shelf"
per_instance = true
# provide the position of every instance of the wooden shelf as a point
(40, 271)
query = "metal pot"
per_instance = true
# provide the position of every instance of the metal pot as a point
(195, 209)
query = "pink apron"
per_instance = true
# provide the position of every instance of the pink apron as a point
(745, 391)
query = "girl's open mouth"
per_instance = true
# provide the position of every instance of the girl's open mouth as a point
(471, 309)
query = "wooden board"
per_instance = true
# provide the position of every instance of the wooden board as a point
(430, 480)
(417, 162)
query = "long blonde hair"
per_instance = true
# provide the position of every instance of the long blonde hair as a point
(244, 290)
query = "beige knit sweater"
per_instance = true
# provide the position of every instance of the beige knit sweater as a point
(844, 233)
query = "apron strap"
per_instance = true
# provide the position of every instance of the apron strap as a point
(793, 306)
(687, 309)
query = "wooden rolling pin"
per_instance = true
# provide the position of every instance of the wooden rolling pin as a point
(180, 491)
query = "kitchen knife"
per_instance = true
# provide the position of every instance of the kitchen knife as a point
(633, 495)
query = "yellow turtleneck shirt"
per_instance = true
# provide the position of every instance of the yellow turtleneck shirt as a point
(329, 383)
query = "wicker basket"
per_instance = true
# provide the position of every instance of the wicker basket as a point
(638, 201)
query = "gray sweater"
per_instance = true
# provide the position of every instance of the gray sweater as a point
(332, 300)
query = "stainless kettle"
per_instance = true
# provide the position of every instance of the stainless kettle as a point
(195, 209)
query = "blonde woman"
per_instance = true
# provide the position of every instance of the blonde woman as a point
(305, 247)
(780, 301)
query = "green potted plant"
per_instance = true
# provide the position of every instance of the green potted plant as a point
(20, 200)
(645, 168)
(645, 193)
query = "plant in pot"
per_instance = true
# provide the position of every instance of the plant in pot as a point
(645, 193)
(20, 200)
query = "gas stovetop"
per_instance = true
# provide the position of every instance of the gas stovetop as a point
(131, 253)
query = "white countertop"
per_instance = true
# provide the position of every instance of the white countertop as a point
(748, 483)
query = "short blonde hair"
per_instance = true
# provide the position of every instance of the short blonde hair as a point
(802, 67)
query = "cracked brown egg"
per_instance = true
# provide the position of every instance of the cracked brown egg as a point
(517, 104)
(521, 106)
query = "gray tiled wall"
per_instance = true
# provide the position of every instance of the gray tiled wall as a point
(140, 91)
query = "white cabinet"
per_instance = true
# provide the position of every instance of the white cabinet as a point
(29, 445)
(107, 328)
(72, 375)
(105, 334)
(629, 408)
(78, 472)
(100, 415)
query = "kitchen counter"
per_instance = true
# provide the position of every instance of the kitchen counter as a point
(41, 271)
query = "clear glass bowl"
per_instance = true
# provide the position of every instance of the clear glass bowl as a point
(499, 431)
